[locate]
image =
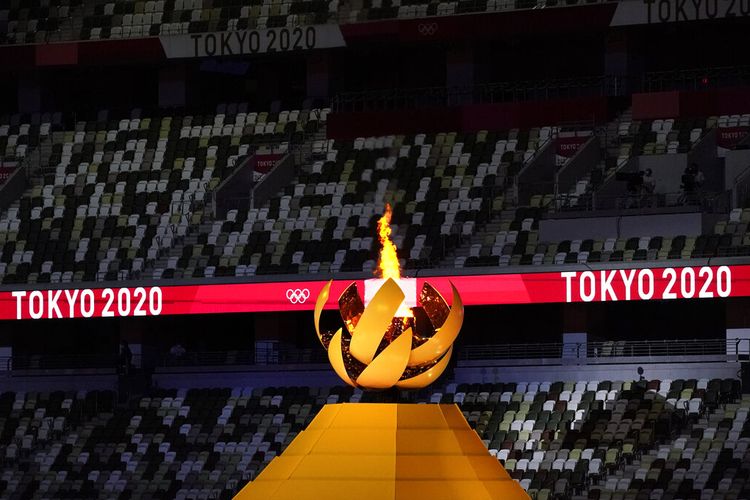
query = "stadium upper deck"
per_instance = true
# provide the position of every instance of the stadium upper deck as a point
(63, 20)
(43, 21)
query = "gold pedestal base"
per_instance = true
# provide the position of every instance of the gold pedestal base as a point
(364, 451)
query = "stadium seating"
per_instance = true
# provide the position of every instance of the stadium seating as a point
(730, 239)
(626, 138)
(497, 244)
(649, 137)
(584, 439)
(102, 19)
(444, 187)
(109, 196)
(670, 136)
(639, 138)
(292, 234)
(131, 192)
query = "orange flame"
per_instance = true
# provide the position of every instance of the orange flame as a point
(388, 263)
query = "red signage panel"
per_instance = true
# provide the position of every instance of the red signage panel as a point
(608, 285)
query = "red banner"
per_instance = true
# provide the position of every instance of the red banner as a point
(265, 162)
(568, 146)
(728, 137)
(6, 170)
(573, 286)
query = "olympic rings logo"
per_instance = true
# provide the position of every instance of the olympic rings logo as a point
(297, 295)
(427, 29)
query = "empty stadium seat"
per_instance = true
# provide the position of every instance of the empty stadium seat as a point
(562, 439)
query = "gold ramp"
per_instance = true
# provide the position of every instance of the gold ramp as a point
(385, 452)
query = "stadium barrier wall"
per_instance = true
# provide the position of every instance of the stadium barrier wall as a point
(687, 104)
(666, 370)
(536, 176)
(574, 169)
(12, 189)
(320, 376)
(623, 226)
(280, 175)
(235, 188)
(669, 168)
(703, 154)
(523, 372)
(325, 377)
(736, 165)
(611, 188)
(59, 381)
(469, 118)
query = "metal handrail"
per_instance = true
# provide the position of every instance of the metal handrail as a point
(695, 78)
(741, 188)
(261, 356)
(381, 99)
(608, 349)
(42, 362)
(596, 352)
(708, 202)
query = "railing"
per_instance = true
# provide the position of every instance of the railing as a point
(374, 100)
(468, 7)
(693, 347)
(601, 352)
(297, 151)
(696, 78)
(645, 203)
(536, 175)
(741, 188)
(510, 351)
(41, 362)
(258, 357)
(271, 356)
(585, 159)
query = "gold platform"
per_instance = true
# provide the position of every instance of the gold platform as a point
(361, 451)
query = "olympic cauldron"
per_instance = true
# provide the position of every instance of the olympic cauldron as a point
(387, 340)
(384, 344)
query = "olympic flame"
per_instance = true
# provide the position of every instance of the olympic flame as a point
(388, 265)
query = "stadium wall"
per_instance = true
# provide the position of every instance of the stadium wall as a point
(323, 375)
(685, 104)
(670, 371)
(469, 118)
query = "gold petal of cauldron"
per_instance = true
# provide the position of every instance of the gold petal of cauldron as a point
(319, 305)
(446, 334)
(351, 307)
(428, 376)
(374, 322)
(389, 365)
(336, 358)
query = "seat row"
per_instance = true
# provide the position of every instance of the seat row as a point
(62, 20)
(623, 438)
